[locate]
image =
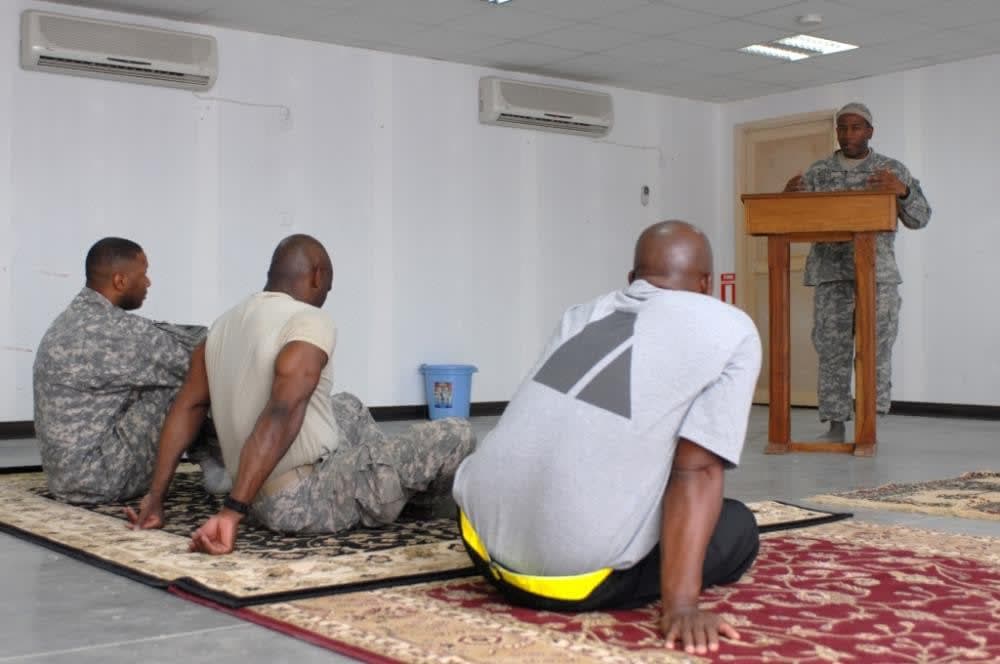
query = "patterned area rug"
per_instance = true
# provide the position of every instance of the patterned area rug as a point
(266, 566)
(843, 592)
(974, 495)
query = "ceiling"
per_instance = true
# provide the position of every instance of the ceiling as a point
(683, 48)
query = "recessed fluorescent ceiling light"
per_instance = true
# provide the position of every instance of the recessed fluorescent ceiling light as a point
(798, 47)
(497, 2)
(815, 44)
(774, 52)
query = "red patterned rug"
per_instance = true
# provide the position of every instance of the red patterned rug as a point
(844, 592)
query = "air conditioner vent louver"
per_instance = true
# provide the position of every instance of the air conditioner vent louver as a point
(533, 121)
(545, 107)
(132, 72)
(102, 49)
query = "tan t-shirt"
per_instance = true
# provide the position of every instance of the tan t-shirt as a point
(240, 352)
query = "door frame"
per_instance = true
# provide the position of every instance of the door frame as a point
(740, 163)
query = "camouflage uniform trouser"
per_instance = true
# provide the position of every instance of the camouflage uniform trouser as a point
(369, 478)
(121, 466)
(833, 337)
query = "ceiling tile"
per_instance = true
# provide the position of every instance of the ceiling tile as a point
(261, 17)
(726, 63)
(363, 28)
(989, 30)
(875, 31)
(938, 42)
(862, 60)
(508, 21)
(964, 55)
(583, 10)
(803, 73)
(659, 50)
(888, 6)
(730, 35)
(655, 76)
(174, 9)
(786, 18)
(425, 12)
(586, 37)
(657, 19)
(438, 42)
(958, 13)
(728, 8)
(720, 88)
(519, 54)
(595, 63)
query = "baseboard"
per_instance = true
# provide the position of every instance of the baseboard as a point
(419, 412)
(9, 430)
(26, 428)
(957, 410)
(932, 409)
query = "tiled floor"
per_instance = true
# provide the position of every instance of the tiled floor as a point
(55, 609)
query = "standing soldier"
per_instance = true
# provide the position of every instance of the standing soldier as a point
(830, 265)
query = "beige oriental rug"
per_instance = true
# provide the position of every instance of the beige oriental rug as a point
(841, 592)
(974, 495)
(266, 566)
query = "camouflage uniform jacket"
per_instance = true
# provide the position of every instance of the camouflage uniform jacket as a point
(834, 261)
(94, 362)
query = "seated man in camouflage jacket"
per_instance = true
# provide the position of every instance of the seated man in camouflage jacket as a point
(104, 379)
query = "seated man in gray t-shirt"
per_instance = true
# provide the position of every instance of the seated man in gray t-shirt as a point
(601, 485)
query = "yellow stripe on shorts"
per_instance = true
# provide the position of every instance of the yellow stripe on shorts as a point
(567, 588)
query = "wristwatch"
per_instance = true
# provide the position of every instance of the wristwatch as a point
(231, 503)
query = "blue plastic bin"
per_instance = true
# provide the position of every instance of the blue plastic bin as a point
(448, 388)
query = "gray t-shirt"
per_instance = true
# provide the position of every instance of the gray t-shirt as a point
(571, 479)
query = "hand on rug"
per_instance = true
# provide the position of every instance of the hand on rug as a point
(697, 630)
(217, 536)
(150, 514)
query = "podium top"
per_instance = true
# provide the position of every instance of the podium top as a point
(812, 212)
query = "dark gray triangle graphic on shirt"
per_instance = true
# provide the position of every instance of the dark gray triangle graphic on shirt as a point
(611, 389)
(567, 365)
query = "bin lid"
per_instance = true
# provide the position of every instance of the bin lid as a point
(448, 368)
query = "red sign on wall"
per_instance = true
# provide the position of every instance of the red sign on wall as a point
(727, 287)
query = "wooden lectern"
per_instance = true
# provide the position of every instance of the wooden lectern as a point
(847, 216)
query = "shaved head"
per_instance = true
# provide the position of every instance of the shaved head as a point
(674, 255)
(301, 267)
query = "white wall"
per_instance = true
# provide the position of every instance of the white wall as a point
(452, 241)
(941, 122)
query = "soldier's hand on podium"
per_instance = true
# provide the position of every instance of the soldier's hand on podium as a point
(886, 180)
(796, 184)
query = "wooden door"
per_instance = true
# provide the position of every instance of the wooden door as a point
(768, 154)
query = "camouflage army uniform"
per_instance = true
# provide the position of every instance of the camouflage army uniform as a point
(369, 478)
(103, 381)
(830, 268)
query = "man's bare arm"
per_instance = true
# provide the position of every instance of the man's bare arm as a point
(692, 503)
(183, 421)
(297, 372)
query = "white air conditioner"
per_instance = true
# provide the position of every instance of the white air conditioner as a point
(548, 107)
(102, 49)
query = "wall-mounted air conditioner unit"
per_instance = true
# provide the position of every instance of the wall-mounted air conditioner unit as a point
(102, 49)
(548, 107)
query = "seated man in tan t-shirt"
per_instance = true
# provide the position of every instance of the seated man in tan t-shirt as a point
(300, 460)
